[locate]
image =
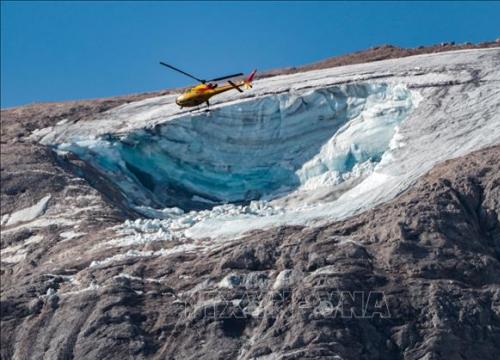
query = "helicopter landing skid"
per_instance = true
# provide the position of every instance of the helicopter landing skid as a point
(199, 110)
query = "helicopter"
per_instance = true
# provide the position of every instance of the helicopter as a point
(200, 94)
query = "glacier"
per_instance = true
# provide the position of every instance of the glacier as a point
(262, 148)
(300, 149)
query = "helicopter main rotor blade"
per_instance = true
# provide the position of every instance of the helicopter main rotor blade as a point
(183, 72)
(226, 77)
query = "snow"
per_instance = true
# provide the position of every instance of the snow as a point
(15, 253)
(39, 133)
(302, 149)
(230, 281)
(61, 213)
(136, 278)
(28, 214)
(130, 254)
(43, 222)
(68, 235)
(93, 287)
(286, 279)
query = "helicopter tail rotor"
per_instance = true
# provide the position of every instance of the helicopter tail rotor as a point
(247, 83)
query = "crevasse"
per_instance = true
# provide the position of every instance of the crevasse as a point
(261, 148)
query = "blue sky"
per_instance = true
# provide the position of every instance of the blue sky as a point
(52, 51)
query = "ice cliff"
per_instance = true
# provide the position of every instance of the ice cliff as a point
(246, 151)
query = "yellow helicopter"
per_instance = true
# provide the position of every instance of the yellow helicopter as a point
(200, 94)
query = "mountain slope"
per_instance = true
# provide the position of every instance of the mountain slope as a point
(432, 256)
(340, 213)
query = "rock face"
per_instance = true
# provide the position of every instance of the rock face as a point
(415, 278)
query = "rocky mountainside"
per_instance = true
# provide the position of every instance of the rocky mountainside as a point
(381, 52)
(86, 273)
